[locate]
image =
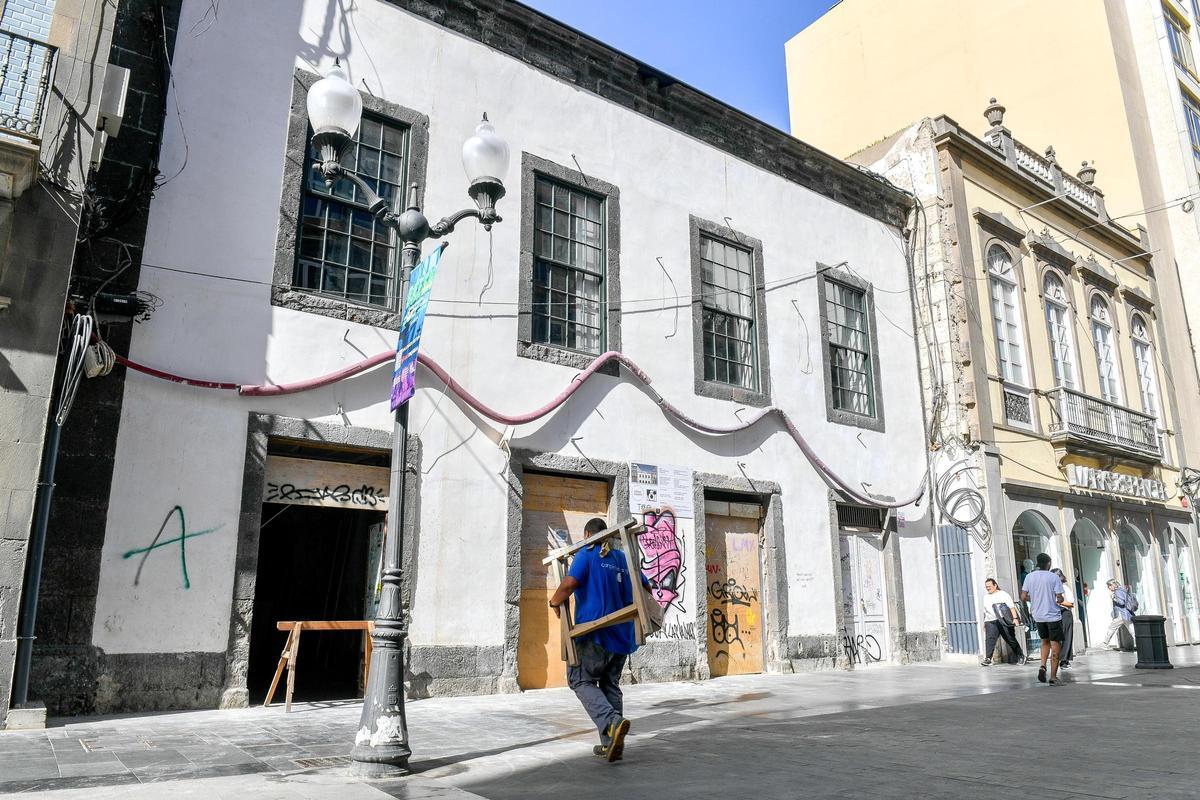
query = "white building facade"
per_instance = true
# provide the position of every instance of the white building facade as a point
(737, 267)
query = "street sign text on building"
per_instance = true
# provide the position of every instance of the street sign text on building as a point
(1102, 480)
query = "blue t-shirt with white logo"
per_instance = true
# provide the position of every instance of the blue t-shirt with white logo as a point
(604, 587)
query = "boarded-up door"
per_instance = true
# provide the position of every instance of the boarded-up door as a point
(733, 571)
(555, 510)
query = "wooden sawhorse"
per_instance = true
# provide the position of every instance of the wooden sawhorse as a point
(291, 649)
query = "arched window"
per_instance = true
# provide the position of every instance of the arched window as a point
(1058, 328)
(1006, 315)
(1143, 356)
(1106, 352)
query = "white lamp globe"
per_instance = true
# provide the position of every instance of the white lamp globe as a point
(485, 155)
(334, 105)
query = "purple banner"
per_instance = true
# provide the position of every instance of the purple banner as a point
(404, 376)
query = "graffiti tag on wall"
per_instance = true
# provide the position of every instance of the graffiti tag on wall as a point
(181, 540)
(365, 496)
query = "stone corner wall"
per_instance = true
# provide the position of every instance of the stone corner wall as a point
(923, 646)
(811, 653)
(448, 670)
(82, 679)
(661, 661)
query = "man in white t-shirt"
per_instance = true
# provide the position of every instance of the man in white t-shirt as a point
(1000, 621)
(1042, 589)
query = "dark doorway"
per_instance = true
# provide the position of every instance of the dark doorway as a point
(312, 565)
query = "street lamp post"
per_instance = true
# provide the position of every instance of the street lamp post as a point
(334, 110)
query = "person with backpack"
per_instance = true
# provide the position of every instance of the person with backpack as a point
(1125, 605)
(1000, 621)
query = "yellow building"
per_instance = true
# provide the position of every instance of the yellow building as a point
(1112, 81)
(1043, 362)
(1059, 325)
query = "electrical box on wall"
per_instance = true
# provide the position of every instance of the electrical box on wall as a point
(112, 109)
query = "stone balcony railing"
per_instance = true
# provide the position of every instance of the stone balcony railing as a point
(26, 67)
(1045, 170)
(1089, 424)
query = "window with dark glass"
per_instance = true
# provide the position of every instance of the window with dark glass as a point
(727, 295)
(851, 363)
(344, 252)
(568, 267)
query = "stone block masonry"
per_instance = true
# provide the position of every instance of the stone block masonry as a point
(67, 668)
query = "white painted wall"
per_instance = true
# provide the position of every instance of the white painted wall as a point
(220, 215)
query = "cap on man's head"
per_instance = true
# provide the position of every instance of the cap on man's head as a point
(1043, 560)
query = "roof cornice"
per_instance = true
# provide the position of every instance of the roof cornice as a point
(582, 61)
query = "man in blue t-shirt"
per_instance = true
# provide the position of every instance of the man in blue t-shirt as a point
(600, 580)
(1042, 589)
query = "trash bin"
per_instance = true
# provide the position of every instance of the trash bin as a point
(1150, 634)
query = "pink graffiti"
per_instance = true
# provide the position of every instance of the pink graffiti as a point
(662, 557)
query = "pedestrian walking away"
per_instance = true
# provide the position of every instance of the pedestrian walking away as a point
(1125, 605)
(1067, 604)
(1042, 589)
(599, 578)
(1000, 621)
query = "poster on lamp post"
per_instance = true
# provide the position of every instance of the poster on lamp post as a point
(412, 321)
(662, 497)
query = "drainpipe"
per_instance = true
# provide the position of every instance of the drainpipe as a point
(33, 566)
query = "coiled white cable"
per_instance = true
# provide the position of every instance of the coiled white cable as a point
(81, 335)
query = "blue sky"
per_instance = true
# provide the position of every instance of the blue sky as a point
(733, 51)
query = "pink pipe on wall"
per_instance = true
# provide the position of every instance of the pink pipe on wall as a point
(823, 469)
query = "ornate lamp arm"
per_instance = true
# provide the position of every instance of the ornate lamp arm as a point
(445, 225)
(376, 205)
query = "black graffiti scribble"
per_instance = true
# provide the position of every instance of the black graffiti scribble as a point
(862, 648)
(343, 493)
(724, 631)
(732, 592)
(676, 630)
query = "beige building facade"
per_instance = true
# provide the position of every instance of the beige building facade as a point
(1056, 428)
(1112, 81)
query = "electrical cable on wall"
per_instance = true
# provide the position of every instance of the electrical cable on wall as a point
(271, 390)
(80, 337)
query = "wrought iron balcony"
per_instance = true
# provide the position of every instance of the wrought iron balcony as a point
(26, 66)
(1088, 424)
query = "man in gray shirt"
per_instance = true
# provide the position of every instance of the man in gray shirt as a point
(1043, 591)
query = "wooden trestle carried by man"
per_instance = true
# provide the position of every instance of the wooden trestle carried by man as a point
(643, 610)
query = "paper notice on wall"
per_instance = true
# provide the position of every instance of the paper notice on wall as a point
(654, 487)
(660, 496)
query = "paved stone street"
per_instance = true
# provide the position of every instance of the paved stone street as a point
(943, 730)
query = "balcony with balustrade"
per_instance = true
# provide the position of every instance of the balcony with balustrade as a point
(26, 71)
(1086, 425)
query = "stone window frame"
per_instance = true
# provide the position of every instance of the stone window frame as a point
(531, 167)
(761, 396)
(292, 198)
(837, 415)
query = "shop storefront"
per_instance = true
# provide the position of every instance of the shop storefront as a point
(1093, 536)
